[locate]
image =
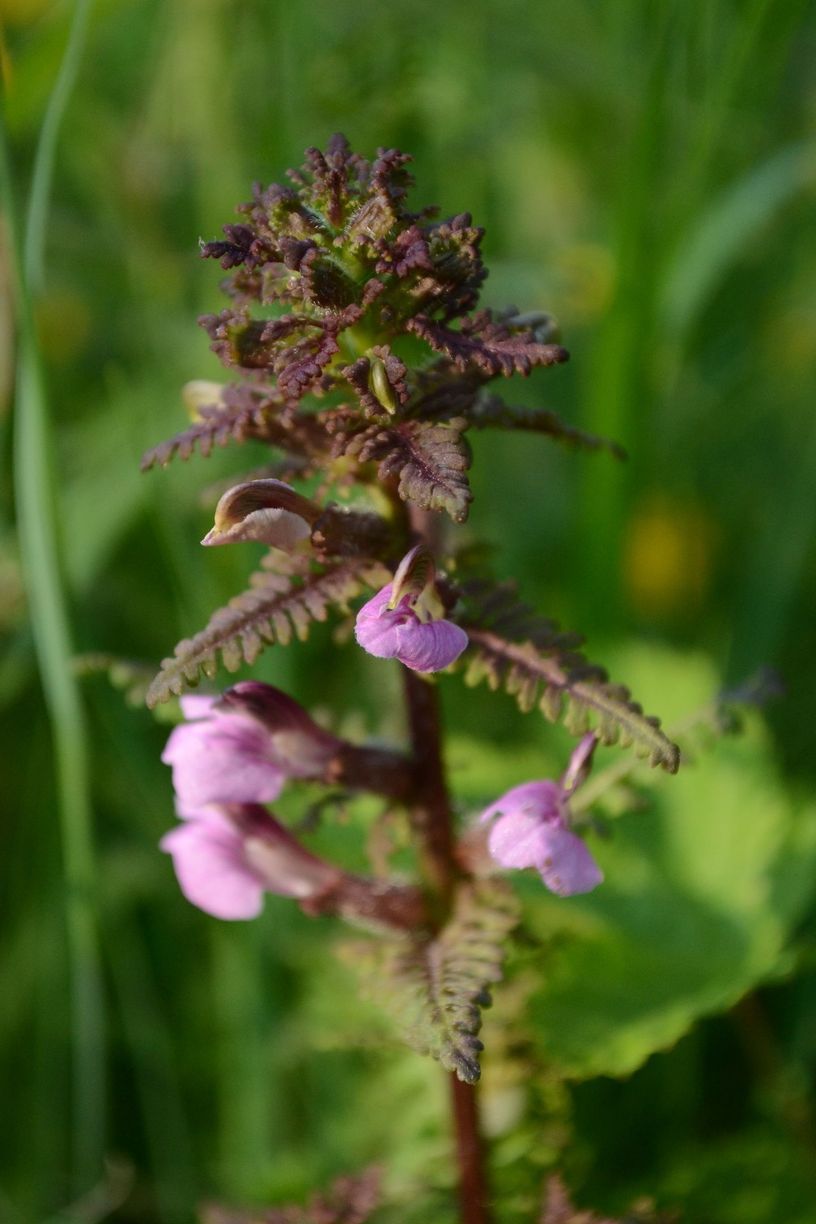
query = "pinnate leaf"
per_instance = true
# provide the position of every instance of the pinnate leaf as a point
(242, 413)
(277, 606)
(491, 412)
(434, 987)
(513, 648)
(707, 884)
(491, 347)
(429, 461)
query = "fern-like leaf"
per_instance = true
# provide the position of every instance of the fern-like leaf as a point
(434, 988)
(130, 677)
(490, 346)
(242, 413)
(428, 460)
(528, 656)
(278, 606)
(491, 412)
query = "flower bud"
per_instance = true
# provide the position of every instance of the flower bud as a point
(380, 386)
(265, 510)
(301, 747)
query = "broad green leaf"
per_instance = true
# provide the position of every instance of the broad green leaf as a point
(704, 888)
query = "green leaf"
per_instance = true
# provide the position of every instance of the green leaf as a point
(703, 891)
(435, 987)
(278, 606)
(130, 676)
(530, 658)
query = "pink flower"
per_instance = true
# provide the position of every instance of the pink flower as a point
(532, 829)
(405, 619)
(241, 747)
(227, 856)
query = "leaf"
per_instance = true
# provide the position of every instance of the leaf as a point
(276, 607)
(434, 987)
(243, 413)
(493, 348)
(429, 461)
(216, 428)
(300, 365)
(130, 677)
(513, 648)
(704, 892)
(491, 412)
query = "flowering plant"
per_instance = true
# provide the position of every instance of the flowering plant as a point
(360, 357)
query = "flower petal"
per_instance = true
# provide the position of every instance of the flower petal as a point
(223, 760)
(539, 798)
(516, 839)
(209, 863)
(430, 647)
(565, 863)
(376, 625)
(197, 705)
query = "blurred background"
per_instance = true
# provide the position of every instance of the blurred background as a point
(644, 171)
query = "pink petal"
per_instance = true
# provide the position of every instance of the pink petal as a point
(197, 705)
(430, 647)
(538, 798)
(209, 813)
(223, 759)
(565, 863)
(379, 636)
(209, 863)
(375, 606)
(516, 840)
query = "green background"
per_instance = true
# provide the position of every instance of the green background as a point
(646, 172)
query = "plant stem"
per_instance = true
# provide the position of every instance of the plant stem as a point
(430, 811)
(430, 816)
(473, 1190)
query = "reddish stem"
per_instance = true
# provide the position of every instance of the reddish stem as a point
(430, 810)
(430, 815)
(473, 1190)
